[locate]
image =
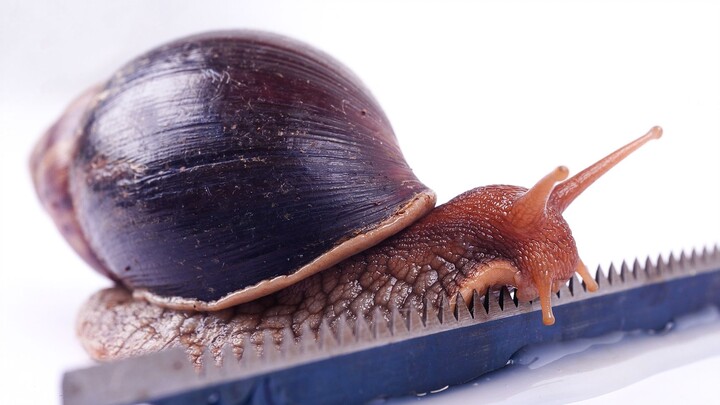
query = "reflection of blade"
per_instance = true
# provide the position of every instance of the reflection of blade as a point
(409, 352)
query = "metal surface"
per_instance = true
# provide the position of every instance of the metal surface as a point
(413, 353)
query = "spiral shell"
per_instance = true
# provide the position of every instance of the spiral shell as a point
(221, 167)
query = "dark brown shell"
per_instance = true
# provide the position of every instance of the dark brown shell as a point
(231, 162)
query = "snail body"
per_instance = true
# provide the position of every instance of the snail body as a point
(246, 172)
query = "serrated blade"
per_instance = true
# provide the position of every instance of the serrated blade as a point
(411, 353)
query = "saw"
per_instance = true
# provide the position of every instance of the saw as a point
(358, 361)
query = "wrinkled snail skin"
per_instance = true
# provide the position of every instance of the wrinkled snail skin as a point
(440, 255)
(272, 194)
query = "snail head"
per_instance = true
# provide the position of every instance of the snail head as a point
(536, 244)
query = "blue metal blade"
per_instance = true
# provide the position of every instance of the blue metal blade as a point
(440, 352)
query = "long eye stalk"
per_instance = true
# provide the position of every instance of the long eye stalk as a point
(530, 210)
(565, 193)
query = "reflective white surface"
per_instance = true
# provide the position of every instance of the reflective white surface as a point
(496, 92)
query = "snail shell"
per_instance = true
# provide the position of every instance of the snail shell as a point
(222, 167)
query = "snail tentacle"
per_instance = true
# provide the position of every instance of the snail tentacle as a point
(566, 192)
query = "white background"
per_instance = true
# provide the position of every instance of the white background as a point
(494, 92)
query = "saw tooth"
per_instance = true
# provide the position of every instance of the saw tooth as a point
(269, 352)
(474, 304)
(257, 347)
(446, 311)
(380, 325)
(346, 331)
(684, 261)
(695, 258)
(487, 298)
(415, 322)
(651, 271)
(564, 294)
(625, 272)
(575, 286)
(662, 266)
(431, 315)
(462, 313)
(308, 342)
(237, 349)
(639, 272)
(493, 306)
(288, 345)
(229, 360)
(248, 353)
(522, 306)
(398, 325)
(600, 279)
(212, 370)
(673, 263)
(479, 311)
(207, 363)
(613, 276)
(424, 312)
(571, 283)
(275, 352)
(513, 297)
(705, 255)
(228, 355)
(506, 301)
(580, 289)
(709, 257)
(501, 300)
(633, 274)
(326, 338)
(510, 301)
(362, 330)
(252, 349)
(214, 360)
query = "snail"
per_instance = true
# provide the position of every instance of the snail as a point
(235, 182)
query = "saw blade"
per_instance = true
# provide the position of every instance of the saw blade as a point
(411, 352)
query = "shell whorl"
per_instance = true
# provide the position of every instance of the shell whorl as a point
(220, 162)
